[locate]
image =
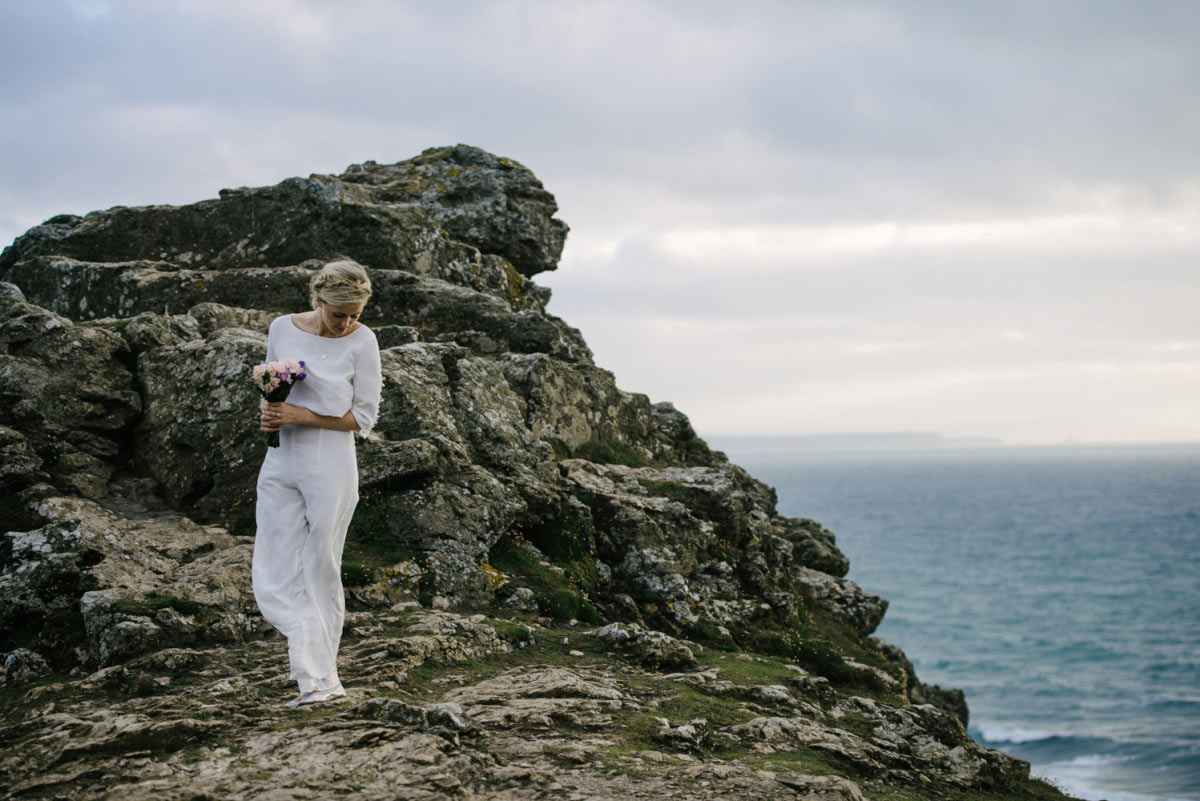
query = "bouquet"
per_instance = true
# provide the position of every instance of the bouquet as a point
(275, 381)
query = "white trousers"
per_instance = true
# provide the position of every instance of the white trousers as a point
(307, 491)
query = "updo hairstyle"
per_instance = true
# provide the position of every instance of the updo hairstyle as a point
(341, 282)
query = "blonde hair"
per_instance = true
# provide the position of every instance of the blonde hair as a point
(341, 282)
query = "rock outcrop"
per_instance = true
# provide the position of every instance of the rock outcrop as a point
(534, 551)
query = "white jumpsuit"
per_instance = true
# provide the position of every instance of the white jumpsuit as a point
(307, 491)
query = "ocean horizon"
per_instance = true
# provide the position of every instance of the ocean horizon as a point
(1058, 586)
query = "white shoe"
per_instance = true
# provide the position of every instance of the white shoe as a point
(317, 696)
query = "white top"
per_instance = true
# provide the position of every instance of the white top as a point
(343, 373)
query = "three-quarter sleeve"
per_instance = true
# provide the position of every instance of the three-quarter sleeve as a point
(368, 383)
(271, 337)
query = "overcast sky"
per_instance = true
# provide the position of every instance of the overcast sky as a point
(978, 219)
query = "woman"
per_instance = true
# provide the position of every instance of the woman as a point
(308, 486)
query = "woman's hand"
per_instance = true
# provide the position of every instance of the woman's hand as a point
(282, 413)
(266, 419)
(276, 415)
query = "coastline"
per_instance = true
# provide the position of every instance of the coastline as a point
(966, 546)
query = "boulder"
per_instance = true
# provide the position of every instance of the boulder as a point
(22, 666)
(87, 290)
(541, 698)
(453, 522)
(651, 649)
(198, 437)
(94, 587)
(211, 316)
(20, 466)
(82, 371)
(812, 545)
(491, 202)
(862, 611)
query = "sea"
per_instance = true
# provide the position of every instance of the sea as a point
(1059, 587)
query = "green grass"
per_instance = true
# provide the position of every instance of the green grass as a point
(609, 452)
(674, 490)
(356, 574)
(758, 670)
(156, 602)
(512, 632)
(193, 755)
(707, 633)
(721, 551)
(806, 761)
(558, 596)
(117, 324)
(245, 525)
(569, 540)
(180, 605)
(681, 703)
(371, 544)
(793, 644)
(821, 644)
(13, 696)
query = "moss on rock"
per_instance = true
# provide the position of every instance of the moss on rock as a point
(558, 596)
(610, 452)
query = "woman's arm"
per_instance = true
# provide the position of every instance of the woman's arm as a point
(368, 384)
(299, 415)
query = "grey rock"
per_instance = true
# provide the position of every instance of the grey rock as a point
(522, 599)
(821, 788)
(541, 697)
(464, 727)
(449, 715)
(492, 418)
(23, 665)
(454, 522)
(130, 732)
(94, 587)
(211, 316)
(87, 290)
(387, 463)
(390, 585)
(150, 330)
(652, 649)
(417, 402)
(951, 701)
(45, 356)
(391, 336)
(859, 609)
(197, 437)
(579, 406)
(493, 203)
(20, 466)
(687, 736)
(812, 545)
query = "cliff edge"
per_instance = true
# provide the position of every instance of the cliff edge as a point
(556, 589)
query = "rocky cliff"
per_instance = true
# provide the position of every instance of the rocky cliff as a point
(556, 588)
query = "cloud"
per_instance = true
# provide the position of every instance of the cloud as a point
(770, 246)
(776, 207)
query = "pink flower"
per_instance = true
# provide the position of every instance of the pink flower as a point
(275, 381)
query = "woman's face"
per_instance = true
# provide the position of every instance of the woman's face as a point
(336, 320)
